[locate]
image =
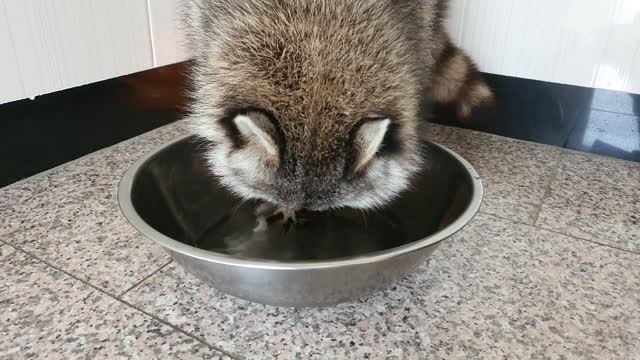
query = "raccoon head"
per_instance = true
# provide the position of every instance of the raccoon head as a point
(311, 106)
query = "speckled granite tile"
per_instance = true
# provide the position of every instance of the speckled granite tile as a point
(498, 289)
(70, 216)
(47, 314)
(595, 198)
(514, 173)
(92, 179)
(90, 240)
(440, 133)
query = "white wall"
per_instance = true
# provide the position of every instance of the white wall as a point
(49, 45)
(593, 43)
(10, 78)
(167, 44)
(59, 44)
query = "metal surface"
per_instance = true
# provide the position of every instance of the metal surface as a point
(171, 198)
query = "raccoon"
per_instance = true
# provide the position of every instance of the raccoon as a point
(322, 104)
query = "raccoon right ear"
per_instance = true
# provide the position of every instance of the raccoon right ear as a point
(368, 141)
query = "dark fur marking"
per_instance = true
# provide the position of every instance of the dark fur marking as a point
(446, 55)
(392, 143)
(232, 131)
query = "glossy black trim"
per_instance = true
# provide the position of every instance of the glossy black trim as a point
(36, 135)
(591, 120)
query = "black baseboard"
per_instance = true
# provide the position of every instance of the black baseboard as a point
(39, 134)
(591, 120)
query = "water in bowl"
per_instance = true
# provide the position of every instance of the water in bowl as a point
(176, 194)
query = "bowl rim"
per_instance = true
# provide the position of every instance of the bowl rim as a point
(126, 206)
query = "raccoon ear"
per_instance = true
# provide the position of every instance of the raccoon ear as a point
(368, 141)
(256, 130)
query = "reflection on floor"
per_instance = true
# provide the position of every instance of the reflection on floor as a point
(52, 129)
(591, 120)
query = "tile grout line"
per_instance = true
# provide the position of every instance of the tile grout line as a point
(122, 294)
(492, 136)
(613, 112)
(547, 188)
(601, 156)
(166, 323)
(590, 241)
(563, 234)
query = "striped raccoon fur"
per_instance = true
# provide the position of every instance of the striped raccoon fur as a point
(320, 104)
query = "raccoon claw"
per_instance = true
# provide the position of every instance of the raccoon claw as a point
(267, 213)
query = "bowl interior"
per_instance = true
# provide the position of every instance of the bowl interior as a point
(174, 193)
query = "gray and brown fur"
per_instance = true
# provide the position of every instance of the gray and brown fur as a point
(319, 81)
(458, 89)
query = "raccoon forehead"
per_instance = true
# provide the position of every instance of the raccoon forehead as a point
(302, 51)
(317, 68)
(314, 93)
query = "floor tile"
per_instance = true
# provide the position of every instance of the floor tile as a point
(514, 173)
(49, 315)
(497, 289)
(595, 198)
(440, 133)
(90, 241)
(70, 217)
(92, 179)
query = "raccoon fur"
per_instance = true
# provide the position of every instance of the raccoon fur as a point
(320, 104)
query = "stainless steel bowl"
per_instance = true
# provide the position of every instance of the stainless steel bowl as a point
(170, 197)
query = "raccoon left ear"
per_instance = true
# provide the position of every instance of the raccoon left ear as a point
(254, 128)
(368, 141)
